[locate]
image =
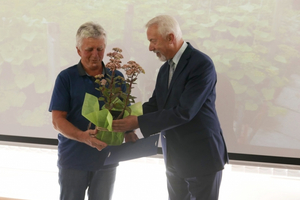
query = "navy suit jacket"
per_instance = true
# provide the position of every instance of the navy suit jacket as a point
(185, 115)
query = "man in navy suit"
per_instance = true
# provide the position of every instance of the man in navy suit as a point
(182, 108)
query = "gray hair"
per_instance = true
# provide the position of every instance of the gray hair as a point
(90, 29)
(166, 25)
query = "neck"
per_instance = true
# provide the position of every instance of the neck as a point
(94, 71)
(177, 46)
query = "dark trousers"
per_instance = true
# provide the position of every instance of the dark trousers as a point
(195, 188)
(74, 183)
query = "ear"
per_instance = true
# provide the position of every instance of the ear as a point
(171, 37)
(78, 51)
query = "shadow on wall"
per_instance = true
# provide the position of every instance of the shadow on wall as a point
(225, 105)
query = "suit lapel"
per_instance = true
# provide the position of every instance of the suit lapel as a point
(165, 78)
(183, 61)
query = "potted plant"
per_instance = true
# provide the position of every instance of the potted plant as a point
(117, 103)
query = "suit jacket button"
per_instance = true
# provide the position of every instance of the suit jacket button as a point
(164, 136)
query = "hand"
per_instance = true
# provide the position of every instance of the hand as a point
(128, 123)
(91, 140)
(131, 137)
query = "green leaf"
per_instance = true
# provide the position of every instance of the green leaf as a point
(41, 82)
(224, 9)
(246, 58)
(265, 36)
(280, 59)
(35, 117)
(221, 28)
(116, 95)
(236, 74)
(203, 33)
(238, 31)
(109, 77)
(7, 55)
(208, 25)
(38, 59)
(252, 92)
(198, 12)
(23, 80)
(118, 106)
(123, 96)
(227, 44)
(276, 110)
(272, 70)
(256, 75)
(239, 18)
(117, 78)
(268, 93)
(226, 60)
(209, 45)
(18, 59)
(238, 87)
(105, 93)
(244, 48)
(190, 22)
(97, 81)
(185, 6)
(249, 105)
(248, 7)
(12, 98)
(29, 36)
(101, 99)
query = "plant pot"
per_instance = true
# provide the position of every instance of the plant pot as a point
(109, 137)
(115, 113)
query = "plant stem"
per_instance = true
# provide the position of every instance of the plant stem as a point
(127, 98)
(111, 92)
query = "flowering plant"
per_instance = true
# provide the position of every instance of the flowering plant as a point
(117, 102)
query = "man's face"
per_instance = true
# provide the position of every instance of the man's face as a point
(92, 52)
(158, 44)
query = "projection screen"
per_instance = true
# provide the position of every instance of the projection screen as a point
(254, 44)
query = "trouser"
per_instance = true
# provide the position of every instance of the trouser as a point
(74, 183)
(204, 187)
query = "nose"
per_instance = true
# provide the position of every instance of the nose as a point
(95, 53)
(151, 48)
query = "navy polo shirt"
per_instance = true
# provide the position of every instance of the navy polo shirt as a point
(68, 95)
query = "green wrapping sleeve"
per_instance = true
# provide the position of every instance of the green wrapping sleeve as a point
(103, 118)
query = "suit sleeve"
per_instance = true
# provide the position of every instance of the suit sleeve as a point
(193, 93)
(151, 105)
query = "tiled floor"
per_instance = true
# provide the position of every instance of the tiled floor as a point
(31, 174)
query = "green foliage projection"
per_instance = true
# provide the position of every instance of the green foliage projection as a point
(241, 37)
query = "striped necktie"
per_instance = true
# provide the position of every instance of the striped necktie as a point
(171, 72)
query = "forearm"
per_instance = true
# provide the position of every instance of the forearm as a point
(68, 130)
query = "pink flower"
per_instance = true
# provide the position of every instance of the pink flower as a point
(117, 49)
(111, 87)
(99, 76)
(103, 82)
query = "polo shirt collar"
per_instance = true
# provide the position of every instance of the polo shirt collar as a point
(82, 72)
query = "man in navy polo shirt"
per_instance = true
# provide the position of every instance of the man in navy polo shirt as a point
(80, 155)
